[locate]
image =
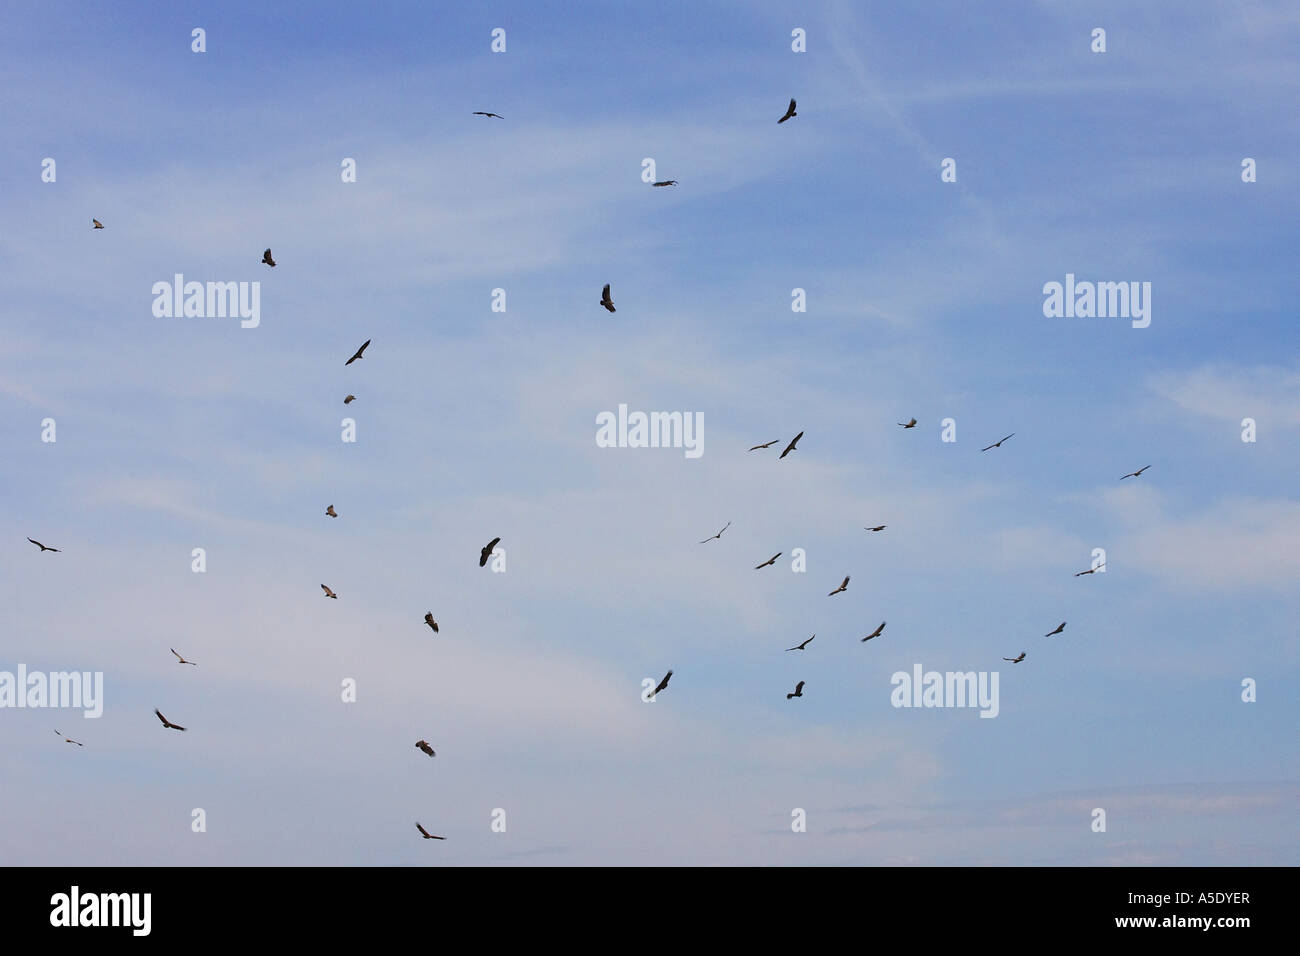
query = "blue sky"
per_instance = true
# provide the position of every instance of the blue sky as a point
(924, 300)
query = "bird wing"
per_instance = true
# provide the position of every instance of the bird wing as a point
(426, 833)
(798, 687)
(604, 293)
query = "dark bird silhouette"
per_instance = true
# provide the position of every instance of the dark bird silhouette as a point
(427, 835)
(909, 424)
(1079, 574)
(42, 547)
(799, 647)
(1058, 630)
(875, 633)
(790, 447)
(789, 111)
(666, 182)
(331, 512)
(766, 444)
(769, 561)
(488, 115)
(349, 400)
(266, 258)
(662, 684)
(424, 745)
(1015, 660)
(844, 586)
(1136, 474)
(68, 740)
(487, 552)
(358, 353)
(997, 443)
(879, 527)
(798, 691)
(167, 723)
(181, 659)
(96, 224)
(328, 592)
(428, 619)
(605, 300)
(718, 535)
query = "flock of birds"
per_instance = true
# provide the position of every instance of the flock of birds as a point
(844, 585)
(607, 302)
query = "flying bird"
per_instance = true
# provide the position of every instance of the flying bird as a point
(766, 444)
(96, 224)
(68, 740)
(181, 659)
(1079, 574)
(428, 619)
(666, 182)
(358, 353)
(1058, 630)
(875, 633)
(769, 561)
(167, 723)
(844, 586)
(328, 592)
(1136, 474)
(488, 115)
(427, 834)
(662, 684)
(790, 447)
(331, 512)
(605, 300)
(911, 423)
(349, 400)
(997, 443)
(789, 111)
(1015, 660)
(879, 527)
(41, 546)
(718, 535)
(424, 745)
(798, 691)
(487, 552)
(800, 647)
(266, 257)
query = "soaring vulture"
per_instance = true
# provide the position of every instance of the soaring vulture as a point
(996, 444)
(486, 553)
(798, 691)
(605, 300)
(166, 723)
(357, 355)
(844, 586)
(789, 111)
(718, 535)
(790, 447)
(266, 258)
(41, 546)
(876, 632)
(426, 833)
